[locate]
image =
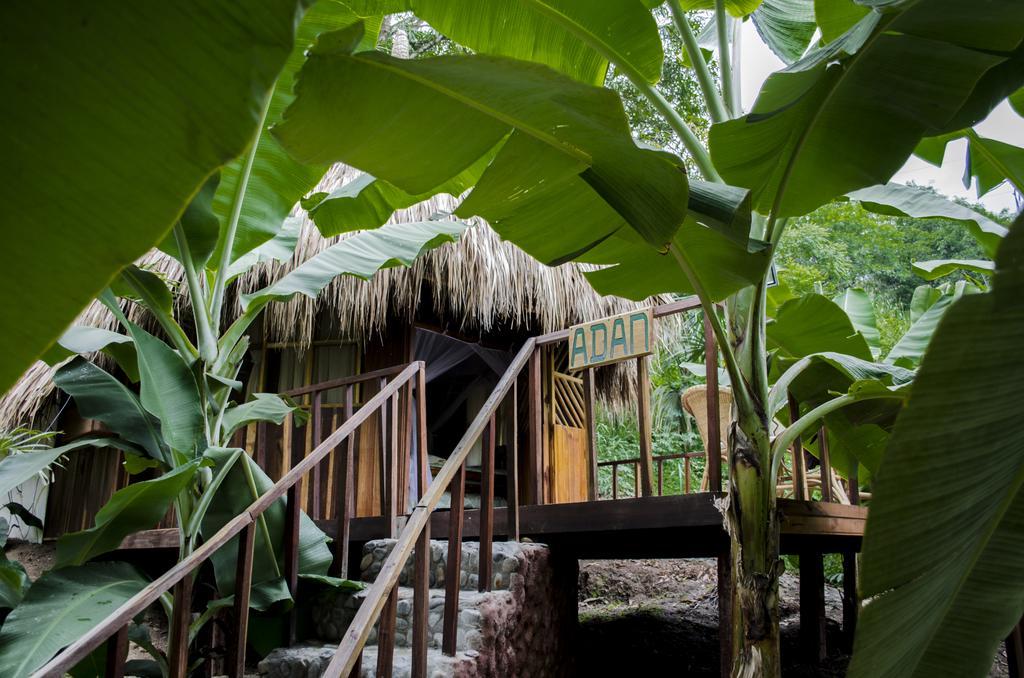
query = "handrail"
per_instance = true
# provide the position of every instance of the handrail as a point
(345, 381)
(116, 622)
(416, 533)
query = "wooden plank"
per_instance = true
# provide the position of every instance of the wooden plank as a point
(812, 607)
(512, 471)
(799, 464)
(421, 430)
(117, 653)
(826, 466)
(383, 458)
(346, 497)
(406, 451)
(536, 429)
(293, 510)
(714, 455)
(851, 605)
(394, 472)
(589, 422)
(383, 373)
(643, 387)
(243, 588)
(486, 508)
(386, 635)
(421, 604)
(318, 436)
(610, 340)
(725, 601)
(177, 650)
(453, 567)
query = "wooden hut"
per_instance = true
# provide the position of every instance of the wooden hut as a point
(464, 309)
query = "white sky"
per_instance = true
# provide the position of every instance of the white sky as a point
(757, 62)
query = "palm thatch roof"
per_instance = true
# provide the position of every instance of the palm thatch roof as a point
(477, 284)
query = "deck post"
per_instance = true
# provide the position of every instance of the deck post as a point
(536, 429)
(725, 630)
(714, 451)
(851, 606)
(799, 464)
(588, 400)
(643, 414)
(812, 606)
(826, 465)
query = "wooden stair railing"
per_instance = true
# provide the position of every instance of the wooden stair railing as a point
(113, 630)
(381, 598)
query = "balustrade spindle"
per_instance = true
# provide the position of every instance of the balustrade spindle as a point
(243, 589)
(345, 496)
(117, 652)
(512, 472)
(318, 436)
(386, 635)
(293, 509)
(177, 650)
(421, 604)
(453, 570)
(486, 564)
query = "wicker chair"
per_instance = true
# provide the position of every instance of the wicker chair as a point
(695, 401)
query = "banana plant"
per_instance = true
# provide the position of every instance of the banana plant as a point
(525, 123)
(176, 424)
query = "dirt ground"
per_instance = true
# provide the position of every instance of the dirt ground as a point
(660, 617)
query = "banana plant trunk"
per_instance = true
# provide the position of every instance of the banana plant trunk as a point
(751, 517)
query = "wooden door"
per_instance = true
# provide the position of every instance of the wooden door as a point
(568, 473)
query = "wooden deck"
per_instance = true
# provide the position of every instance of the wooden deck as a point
(645, 527)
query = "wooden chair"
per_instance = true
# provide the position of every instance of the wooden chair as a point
(695, 401)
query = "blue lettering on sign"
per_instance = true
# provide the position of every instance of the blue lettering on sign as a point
(619, 337)
(595, 354)
(640, 317)
(579, 346)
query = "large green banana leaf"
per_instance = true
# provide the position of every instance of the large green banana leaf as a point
(575, 38)
(128, 118)
(914, 201)
(786, 26)
(910, 348)
(263, 407)
(942, 550)
(59, 607)
(168, 390)
(990, 161)
(14, 580)
(81, 339)
(815, 324)
(835, 17)
(852, 100)
(137, 507)
(231, 499)
(737, 8)
(937, 268)
(15, 469)
(397, 120)
(368, 202)
(263, 185)
(856, 303)
(100, 396)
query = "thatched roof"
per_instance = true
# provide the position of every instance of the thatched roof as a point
(476, 285)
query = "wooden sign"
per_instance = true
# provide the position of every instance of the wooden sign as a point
(610, 340)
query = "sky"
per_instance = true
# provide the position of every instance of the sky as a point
(757, 62)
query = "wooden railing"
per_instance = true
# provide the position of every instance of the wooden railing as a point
(659, 462)
(114, 629)
(381, 598)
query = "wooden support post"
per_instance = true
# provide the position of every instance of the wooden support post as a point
(512, 471)
(486, 563)
(421, 604)
(1015, 651)
(826, 466)
(421, 430)
(643, 413)
(853, 484)
(293, 509)
(394, 470)
(851, 605)
(406, 451)
(177, 651)
(714, 451)
(799, 465)
(386, 635)
(725, 631)
(243, 587)
(261, 445)
(588, 400)
(117, 653)
(453, 569)
(345, 496)
(812, 606)
(536, 429)
(382, 457)
(318, 436)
